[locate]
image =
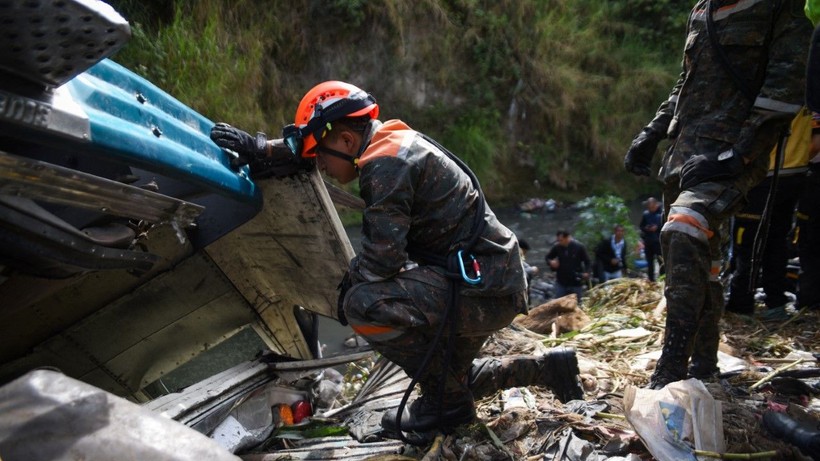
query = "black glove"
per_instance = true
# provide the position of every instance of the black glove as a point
(710, 167)
(248, 148)
(344, 285)
(638, 158)
(281, 163)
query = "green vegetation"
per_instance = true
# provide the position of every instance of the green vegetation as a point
(522, 90)
(597, 220)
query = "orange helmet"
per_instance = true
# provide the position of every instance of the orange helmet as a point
(323, 104)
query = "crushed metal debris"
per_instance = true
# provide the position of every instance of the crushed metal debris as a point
(617, 336)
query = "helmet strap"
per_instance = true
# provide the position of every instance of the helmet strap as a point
(338, 154)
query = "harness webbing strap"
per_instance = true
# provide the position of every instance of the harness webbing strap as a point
(451, 264)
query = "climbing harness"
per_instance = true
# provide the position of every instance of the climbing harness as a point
(456, 272)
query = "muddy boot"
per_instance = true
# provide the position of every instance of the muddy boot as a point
(704, 364)
(559, 373)
(703, 371)
(557, 370)
(423, 413)
(671, 367)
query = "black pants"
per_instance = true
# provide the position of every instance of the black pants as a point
(808, 240)
(774, 255)
(652, 251)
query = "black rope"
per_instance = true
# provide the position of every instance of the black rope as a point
(762, 233)
(451, 264)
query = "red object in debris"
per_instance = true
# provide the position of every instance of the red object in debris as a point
(301, 410)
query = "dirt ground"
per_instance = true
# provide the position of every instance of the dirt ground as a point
(615, 336)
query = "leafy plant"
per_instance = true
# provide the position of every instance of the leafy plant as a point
(599, 216)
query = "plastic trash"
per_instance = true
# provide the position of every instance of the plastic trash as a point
(676, 420)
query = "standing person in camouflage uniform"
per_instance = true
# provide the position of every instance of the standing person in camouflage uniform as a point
(438, 273)
(735, 97)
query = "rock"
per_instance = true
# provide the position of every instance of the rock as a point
(555, 316)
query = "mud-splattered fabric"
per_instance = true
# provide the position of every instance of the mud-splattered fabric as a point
(400, 317)
(418, 202)
(710, 111)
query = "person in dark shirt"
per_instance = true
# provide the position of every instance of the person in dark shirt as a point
(570, 262)
(610, 255)
(651, 223)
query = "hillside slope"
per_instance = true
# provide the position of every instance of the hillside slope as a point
(531, 93)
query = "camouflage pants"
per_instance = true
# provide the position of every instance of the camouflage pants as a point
(692, 242)
(400, 317)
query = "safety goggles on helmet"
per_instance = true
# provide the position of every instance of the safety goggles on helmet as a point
(293, 138)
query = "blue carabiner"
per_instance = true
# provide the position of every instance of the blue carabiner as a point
(476, 268)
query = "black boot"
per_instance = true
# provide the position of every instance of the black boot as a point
(704, 364)
(556, 370)
(423, 413)
(703, 372)
(671, 367)
(559, 373)
(741, 305)
(807, 439)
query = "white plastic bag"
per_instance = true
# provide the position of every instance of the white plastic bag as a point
(676, 420)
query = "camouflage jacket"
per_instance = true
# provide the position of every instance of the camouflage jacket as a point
(418, 198)
(766, 43)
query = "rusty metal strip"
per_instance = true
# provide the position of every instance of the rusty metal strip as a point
(51, 183)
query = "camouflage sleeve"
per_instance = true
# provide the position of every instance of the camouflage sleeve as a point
(387, 187)
(663, 116)
(782, 93)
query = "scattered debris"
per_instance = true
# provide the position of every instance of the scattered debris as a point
(557, 316)
(536, 204)
(767, 369)
(620, 325)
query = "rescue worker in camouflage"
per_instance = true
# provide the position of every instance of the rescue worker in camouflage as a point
(431, 248)
(737, 92)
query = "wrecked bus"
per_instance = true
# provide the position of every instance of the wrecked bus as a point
(130, 246)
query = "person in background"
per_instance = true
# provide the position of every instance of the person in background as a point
(742, 82)
(530, 271)
(570, 262)
(747, 228)
(650, 226)
(610, 255)
(808, 208)
(807, 227)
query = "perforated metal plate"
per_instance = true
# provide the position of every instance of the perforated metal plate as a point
(51, 41)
